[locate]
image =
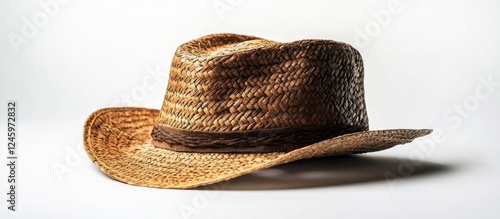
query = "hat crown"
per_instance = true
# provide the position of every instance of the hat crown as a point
(233, 83)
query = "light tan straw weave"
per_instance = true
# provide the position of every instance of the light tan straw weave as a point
(236, 104)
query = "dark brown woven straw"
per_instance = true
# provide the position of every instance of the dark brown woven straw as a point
(237, 104)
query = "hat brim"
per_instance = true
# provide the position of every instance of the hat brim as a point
(118, 141)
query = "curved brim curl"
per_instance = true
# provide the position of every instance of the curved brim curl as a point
(118, 141)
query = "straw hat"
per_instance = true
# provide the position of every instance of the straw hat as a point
(236, 104)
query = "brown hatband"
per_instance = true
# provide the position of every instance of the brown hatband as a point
(255, 141)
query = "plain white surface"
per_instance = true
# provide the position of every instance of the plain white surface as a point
(427, 66)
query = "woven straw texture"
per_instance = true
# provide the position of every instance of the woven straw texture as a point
(230, 82)
(118, 141)
(226, 89)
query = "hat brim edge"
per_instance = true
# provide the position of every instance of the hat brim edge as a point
(359, 142)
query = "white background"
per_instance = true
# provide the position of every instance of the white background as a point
(424, 62)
